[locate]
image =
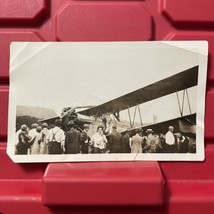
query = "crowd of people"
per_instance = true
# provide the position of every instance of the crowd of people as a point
(45, 140)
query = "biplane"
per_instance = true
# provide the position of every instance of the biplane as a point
(108, 113)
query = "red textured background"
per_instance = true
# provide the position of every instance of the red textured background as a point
(189, 186)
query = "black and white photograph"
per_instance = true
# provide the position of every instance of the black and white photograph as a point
(107, 101)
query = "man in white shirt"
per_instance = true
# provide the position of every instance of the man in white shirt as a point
(56, 139)
(170, 140)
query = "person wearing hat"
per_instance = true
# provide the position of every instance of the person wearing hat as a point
(72, 139)
(115, 141)
(150, 141)
(32, 131)
(24, 141)
(43, 140)
(85, 139)
(56, 139)
(17, 136)
(125, 142)
(136, 142)
(153, 142)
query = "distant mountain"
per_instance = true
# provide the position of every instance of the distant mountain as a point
(38, 112)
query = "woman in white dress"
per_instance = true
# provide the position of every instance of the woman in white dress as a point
(43, 144)
(36, 145)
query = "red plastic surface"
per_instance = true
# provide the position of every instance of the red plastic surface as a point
(96, 26)
(78, 182)
(21, 10)
(183, 13)
(188, 185)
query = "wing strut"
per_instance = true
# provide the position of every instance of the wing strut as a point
(181, 109)
(184, 91)
(132, 122)
(188, 102)
(179, 104)
(135, 110)
(129, 116)
(97, 114)
(141, 121)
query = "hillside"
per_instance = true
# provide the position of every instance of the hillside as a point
(37, 112)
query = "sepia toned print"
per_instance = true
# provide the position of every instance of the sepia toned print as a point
(107, 101)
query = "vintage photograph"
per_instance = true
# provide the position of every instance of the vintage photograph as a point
(107, 101)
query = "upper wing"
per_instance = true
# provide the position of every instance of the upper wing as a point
(177, 82)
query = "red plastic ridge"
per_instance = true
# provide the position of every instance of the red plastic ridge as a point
(142, 183)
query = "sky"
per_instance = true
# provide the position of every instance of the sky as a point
(56, 75)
